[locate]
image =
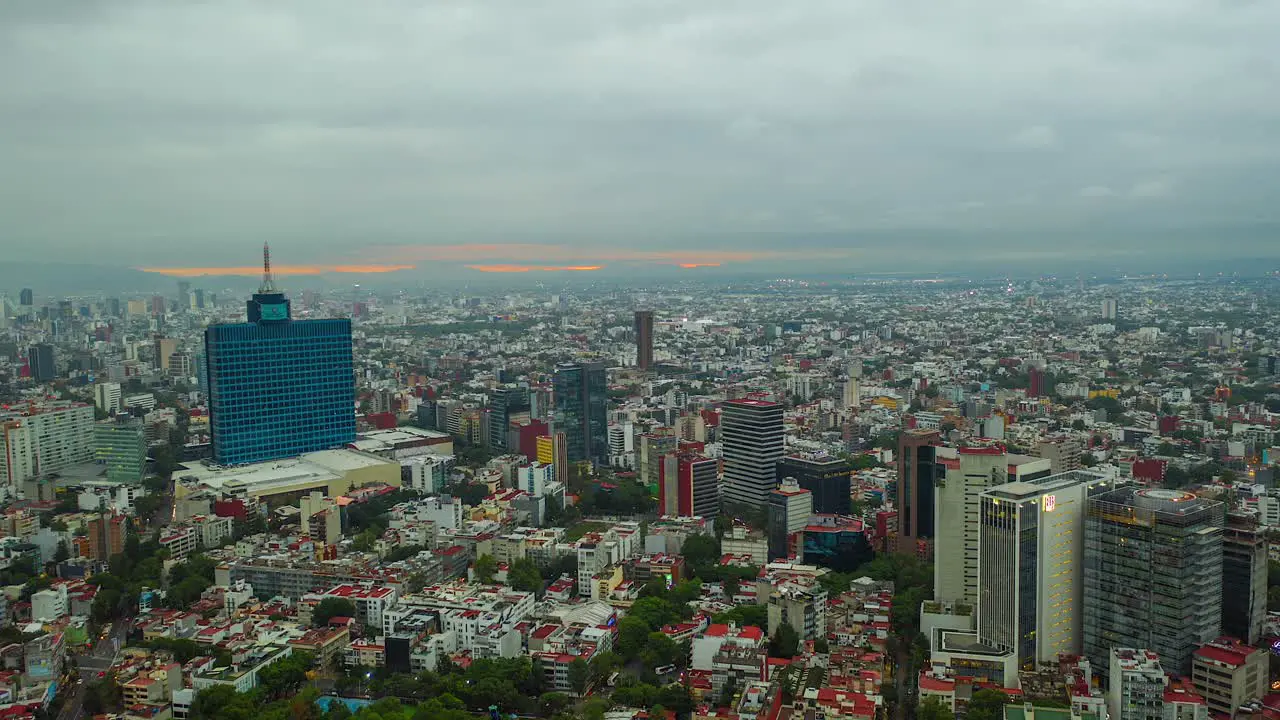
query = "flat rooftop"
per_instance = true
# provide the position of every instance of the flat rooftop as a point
(317, 467)
(967, 642)
(1022, 489)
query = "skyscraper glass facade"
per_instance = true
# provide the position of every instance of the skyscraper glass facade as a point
(121, 446)
(279, 387)
(581, 391)
(1152, 573)
(829, 478)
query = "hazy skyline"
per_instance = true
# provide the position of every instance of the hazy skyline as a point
(499, 135)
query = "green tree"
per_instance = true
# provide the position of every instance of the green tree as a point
(594, 708)
(986, 704)
(523, 575)
(222, 702)
(700, 551)
(286, 676)
(632, 634)
(366, 541)
(106, 604)
(932, 708)
(660, 650)
(102, 696)
(331, 607)
(579, 675)
(484, 568)
(471, 494)
(744, 615)
(722, 524)
(403, 552)
(63, 553)
(146, 506)
(785, 643)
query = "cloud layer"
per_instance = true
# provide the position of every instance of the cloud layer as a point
(549, 135)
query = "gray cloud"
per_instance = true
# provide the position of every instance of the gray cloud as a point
(167, 132)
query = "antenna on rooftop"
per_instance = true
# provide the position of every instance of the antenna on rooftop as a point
(267, 285)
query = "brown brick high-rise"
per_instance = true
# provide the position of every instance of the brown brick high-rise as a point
(917, 471)
(644, 339)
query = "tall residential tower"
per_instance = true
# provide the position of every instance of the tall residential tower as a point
(751, 433)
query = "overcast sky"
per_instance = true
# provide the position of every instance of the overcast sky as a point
(598, 132)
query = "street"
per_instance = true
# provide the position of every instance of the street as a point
(100, 658)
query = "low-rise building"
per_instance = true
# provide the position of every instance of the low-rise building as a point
(1229, 674)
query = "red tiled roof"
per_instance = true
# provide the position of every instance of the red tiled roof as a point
(936, 684)
(1231, 655)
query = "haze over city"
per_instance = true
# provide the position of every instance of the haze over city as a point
(460, 138)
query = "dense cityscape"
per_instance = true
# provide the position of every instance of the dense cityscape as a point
(868, 499)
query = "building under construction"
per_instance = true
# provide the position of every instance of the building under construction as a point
(1152, 573)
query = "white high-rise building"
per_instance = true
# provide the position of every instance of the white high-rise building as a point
(970, 471)
(107, 397)
(533, 478)
(44, 439)
(1030, 553)
(427, 474)
(850, 390)
(1109, 308)
(752, 436)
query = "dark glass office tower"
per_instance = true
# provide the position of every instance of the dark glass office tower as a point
(1244, 578)
(278, 387)
(504, 401)
(581, 392)
(829, 478)
(918, 470)
(40, 360)
(1152, 574)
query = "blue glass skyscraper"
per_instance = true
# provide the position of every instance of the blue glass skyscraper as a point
(278, 387)
(581, 391)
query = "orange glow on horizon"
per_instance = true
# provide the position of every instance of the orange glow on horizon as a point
(533, 268)
(532, 255)
(251, 271)
(691, 265)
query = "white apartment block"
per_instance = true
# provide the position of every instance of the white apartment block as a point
(44, 439)
(1136, 688)
(49, 604)
(107, 397)
(597, 551)
(535, 477)
(427, 474)
(370, 601)
(213, 530)
(179, 540)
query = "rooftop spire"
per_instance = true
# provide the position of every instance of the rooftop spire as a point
(267, 285)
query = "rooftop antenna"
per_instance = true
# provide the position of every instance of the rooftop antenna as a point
(267, 285)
